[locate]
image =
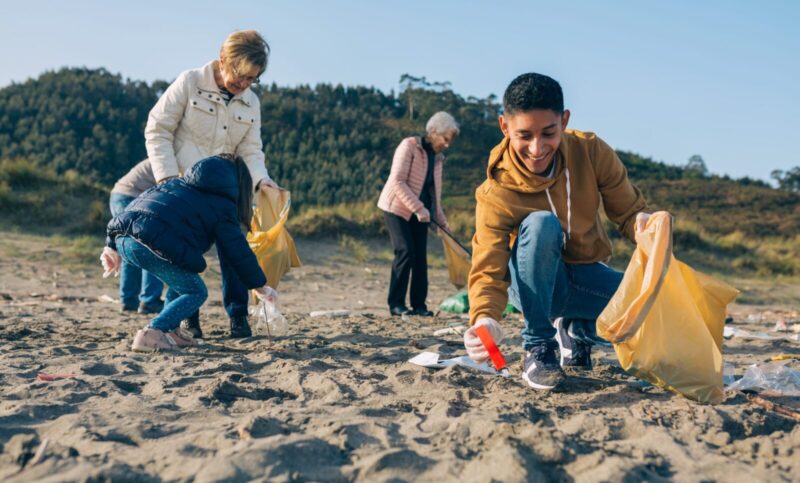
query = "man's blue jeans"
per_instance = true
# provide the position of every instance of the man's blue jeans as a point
(135, 285)
(544, 287)
(186, 293)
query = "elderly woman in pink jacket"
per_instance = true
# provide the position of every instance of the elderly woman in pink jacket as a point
(411, 197)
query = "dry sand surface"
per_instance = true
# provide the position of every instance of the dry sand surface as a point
(335, 399)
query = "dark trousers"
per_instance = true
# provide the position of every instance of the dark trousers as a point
(410, 244)
(234, 293)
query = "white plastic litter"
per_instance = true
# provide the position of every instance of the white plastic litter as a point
(781, 326)
(431, 360)
(728, 374)
(453, 329)
(330, 313)
(773, 377)
(268, 316)
(729, 332)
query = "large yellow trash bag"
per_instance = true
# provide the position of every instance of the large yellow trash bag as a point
(268, 238)
(666, 320)
(458, 260)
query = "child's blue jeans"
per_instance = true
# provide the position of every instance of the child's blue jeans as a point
(544, 287)
(135, 285)
(186, 293)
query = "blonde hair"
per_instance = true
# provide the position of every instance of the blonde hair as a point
(245, 49)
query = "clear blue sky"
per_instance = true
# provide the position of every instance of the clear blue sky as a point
(665, 79)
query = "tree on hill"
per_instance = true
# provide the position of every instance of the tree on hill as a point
(788, 180)
(87, 120)
(696, 167)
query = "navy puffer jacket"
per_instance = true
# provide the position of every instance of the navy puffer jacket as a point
(180, 219)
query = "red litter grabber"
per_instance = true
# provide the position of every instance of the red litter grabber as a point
(497, 358)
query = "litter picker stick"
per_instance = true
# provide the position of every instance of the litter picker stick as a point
(491, 347)
(266, 322)
(452, 237)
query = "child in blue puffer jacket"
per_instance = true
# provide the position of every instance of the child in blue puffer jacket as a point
(168, 228)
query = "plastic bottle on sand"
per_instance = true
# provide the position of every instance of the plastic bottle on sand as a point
(268, 315)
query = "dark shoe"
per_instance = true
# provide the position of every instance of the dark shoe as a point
(399, 311)
(240, 328)
(575, 352)
(127, 308)
(421, 312)
(151, 307)
(192, 324)
(586, 331)
(540, 369)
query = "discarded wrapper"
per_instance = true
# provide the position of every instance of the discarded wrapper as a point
(453, 329)
(772, 377)
(431, 360)
(53, 377)
(729, 332)
(329, 313)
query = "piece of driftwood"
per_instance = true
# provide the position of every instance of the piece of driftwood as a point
(784, 411)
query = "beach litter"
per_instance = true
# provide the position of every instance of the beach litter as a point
(770, 378)
(330, 313)
(431, 360)
(53, 377)
(457, 329)
(730, 332)
(784, 357)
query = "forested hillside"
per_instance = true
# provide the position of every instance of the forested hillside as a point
(68, 135)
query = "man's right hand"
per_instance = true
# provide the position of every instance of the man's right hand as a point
(475, 348)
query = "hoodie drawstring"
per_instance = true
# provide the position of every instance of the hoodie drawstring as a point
(568, 234)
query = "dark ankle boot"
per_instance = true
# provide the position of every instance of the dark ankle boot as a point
(192, 324)
(239, 327)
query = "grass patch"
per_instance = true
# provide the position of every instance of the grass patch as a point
(357, 248)
(36, 199)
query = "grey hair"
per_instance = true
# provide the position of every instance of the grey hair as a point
(441, 123)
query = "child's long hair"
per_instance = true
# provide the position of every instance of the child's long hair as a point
(244, 203)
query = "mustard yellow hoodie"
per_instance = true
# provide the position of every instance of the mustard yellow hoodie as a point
(588, 175)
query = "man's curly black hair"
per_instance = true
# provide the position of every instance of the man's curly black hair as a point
(533, 91)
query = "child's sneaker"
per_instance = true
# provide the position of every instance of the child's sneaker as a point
(540, 369)
(574, 352)
(151, 340)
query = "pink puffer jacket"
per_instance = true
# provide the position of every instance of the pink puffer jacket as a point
(400, 195)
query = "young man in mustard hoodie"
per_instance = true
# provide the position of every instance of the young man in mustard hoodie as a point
(539, 239)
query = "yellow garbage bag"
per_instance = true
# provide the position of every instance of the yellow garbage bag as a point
(666, 320)
(268, 238)
(458, 260)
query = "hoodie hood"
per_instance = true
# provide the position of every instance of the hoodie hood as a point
(215, 175)
(507, 170)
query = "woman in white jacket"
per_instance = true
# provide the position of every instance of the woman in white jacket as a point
(206, 112)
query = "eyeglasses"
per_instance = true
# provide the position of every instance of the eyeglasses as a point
(250, 79)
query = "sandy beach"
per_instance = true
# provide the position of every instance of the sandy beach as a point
(335, 399)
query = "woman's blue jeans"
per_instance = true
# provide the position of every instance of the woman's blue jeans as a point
(544, 287)
(135, 285)
(186, 293)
